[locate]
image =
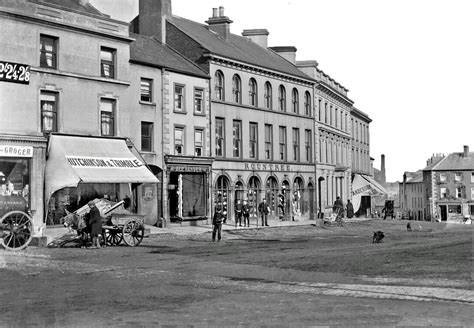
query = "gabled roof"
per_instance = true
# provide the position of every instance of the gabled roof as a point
(414, 177)
(73, 5)
(455, 161)
(237, 48)
(148, 51)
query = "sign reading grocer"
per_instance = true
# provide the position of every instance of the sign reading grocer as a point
(16, 151)
(103, 162)
(14, 72)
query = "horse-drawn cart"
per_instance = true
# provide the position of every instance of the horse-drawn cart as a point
(118, 225)
(16, 226)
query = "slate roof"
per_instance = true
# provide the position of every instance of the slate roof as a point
(454, 162)
(237, 47)
(148, 51)
(73, 5)
(414, 177)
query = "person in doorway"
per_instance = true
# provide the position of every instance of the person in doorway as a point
(349, 209)
(238, 212)
(95, 222)
(217, 220)
(246, 213)
(264, 210)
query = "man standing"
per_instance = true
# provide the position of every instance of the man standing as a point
(246, 213)
(264, 211)
(217, 223)
(95, 222)
(238, 212)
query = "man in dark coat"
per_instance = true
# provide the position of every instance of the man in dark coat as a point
(95, 222)
(350, 209)
(217, 220)
(246, 213)
(264, 210)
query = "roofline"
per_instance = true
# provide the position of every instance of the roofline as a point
(334, 93)
(138, 62)
(212, 56)
(361, 114)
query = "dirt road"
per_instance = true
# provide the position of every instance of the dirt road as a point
(292, 276)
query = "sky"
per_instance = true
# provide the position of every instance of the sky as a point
(408, 64)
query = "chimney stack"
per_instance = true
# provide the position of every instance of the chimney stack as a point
(289, 53)
(382, 167)
(466, 151)
(219, 23)
(259, 36)
(152, 15)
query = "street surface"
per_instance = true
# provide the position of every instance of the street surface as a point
(285, 276)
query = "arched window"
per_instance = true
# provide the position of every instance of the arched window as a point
(272, 193)
(268, 96)
(307, 103)
(295, 101)
(219, 85)
(253, 92)
(282, 98)
(236, 89)
(253, 195)
(221, 193)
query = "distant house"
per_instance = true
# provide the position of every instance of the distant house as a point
(411, 196)
(449, 186)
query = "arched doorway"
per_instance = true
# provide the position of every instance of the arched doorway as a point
(221, 194)
(311, 200)
(320, 204)
(297, 197)
(271, 194)
(284, 202)
(253, 195)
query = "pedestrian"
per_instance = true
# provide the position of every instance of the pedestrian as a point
(217, 220)
(349, 209)
(95, 222)
(264, 210)
(238, 212)
(338, 207)
(246, 213)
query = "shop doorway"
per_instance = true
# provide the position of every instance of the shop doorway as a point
(311, 200)
(271, 194)
(253, 195)
(221, 194)
(444, 213)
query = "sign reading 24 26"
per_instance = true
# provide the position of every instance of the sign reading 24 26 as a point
(14, 72)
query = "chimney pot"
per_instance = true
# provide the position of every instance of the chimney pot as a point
(221, 11)
(214, 12)
(466, 151)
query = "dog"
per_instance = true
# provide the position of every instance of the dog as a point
(408, 227)
(378, 237)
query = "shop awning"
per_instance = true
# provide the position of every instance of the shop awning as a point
(364, 185)
(75, 159)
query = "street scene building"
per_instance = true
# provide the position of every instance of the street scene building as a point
(172, 115)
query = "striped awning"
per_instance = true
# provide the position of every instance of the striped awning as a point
(364, 185)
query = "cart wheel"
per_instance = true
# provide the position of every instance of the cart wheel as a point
(113, 237)
(16, 230)
(133, 232)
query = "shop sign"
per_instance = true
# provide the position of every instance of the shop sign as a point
(16, 151)
(189, 169)
(267, 167)
(103, 162)
(14, 72)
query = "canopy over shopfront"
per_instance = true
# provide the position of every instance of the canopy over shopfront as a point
(75, 159)
(364, 185)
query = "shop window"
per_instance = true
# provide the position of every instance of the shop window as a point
(295, 102)
(296, 144)
(198, 101)
(454, 209)
(107, 117)
(282, 143)
(253, 92)
(146, 90)
(236, 89)
(221, 194)
(179, 141)
(237, 138)
(147, 136)
(49, 111)
(198, 142)
(268, 141)
(253, 140)
(48, 51)
(107, 62)
(179, 98)
(219, 85)
(272, 193)
(220, 137)
(14, 185)
(282, 98)
(268, 96)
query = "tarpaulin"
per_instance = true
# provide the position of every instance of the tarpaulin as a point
(364, 185)
(75, 159)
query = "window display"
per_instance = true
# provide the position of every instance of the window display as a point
(14, 185)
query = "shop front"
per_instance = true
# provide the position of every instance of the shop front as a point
(80, 168)
(455, 210)
(187, 181)
(365, 191)
(287, 189)
(21, 177)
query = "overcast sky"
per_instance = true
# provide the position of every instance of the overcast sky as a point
(408, 64)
